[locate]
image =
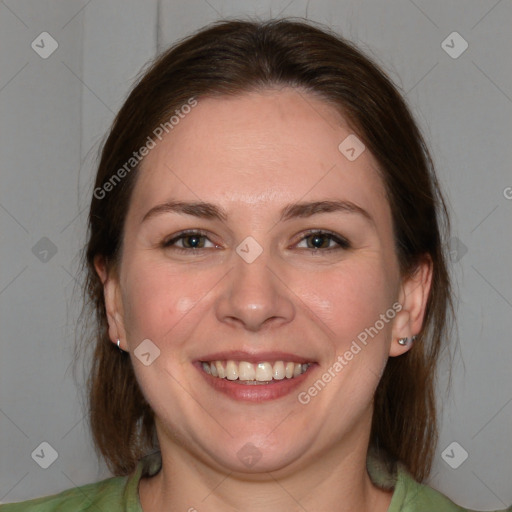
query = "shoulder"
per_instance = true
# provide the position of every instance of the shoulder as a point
(412, 496)
(119, 493)
(104, 495)
(408, 494)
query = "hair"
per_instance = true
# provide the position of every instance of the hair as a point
(231, 57)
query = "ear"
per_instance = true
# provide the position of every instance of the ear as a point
(413, 296)
(113, 302)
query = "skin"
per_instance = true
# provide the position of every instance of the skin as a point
(252, 155)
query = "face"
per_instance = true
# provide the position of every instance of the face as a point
(275, 282)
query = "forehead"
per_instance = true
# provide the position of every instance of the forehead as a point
(267, 147)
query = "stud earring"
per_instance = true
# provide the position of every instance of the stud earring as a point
(406, 341)
(118, 342)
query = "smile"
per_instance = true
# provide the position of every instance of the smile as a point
(254, 373)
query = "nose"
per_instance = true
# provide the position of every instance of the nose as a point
(255, 295)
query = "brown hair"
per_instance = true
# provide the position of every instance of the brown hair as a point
(229, 58)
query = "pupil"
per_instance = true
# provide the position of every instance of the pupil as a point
(318, 238)
(193, 240)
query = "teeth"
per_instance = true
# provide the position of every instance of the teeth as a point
(231, 370)
(278, 370)
(246, 371)
(220, 370)
(263, 372)
(251, 373)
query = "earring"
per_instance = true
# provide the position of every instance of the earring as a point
(405, 341)
(118, 342)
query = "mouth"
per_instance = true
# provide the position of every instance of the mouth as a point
(255, 378)
(253, 374)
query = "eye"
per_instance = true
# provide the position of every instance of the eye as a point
(320, 240)
(190, 240)
(316, 241)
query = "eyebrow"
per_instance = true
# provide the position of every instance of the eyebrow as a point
(206, 210)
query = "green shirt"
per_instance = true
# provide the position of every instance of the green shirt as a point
(120, 494)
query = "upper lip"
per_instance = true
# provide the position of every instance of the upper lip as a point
(255, 357)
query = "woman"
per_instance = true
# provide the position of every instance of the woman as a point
(265, 261)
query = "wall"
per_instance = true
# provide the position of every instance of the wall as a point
(54, 112)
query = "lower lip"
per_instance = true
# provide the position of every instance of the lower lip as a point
(257, 392)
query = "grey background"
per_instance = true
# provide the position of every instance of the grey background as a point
(55, 111)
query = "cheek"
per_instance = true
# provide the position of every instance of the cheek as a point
(157, 300)
(350, 302)
(349, 299)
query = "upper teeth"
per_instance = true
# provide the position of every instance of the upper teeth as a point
(261, 372)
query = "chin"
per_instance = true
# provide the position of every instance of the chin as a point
(254, 454)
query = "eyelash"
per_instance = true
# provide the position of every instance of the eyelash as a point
(342, 242)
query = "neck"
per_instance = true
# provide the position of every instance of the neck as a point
(336, 480)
